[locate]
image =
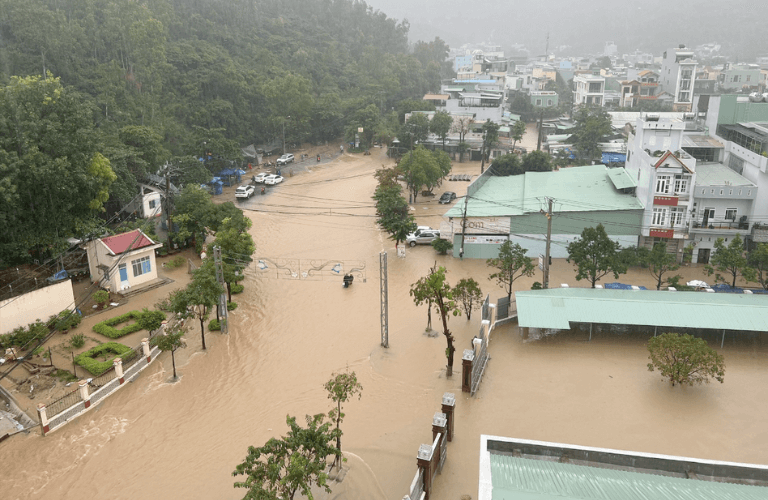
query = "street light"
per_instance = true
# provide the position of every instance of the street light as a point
(286, 118)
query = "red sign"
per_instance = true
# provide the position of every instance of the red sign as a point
(670, 201)
(662, 233)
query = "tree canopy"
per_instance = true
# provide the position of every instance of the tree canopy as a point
(596, 255)
(685, 359)
(729, 262)
(512, 263)
(592, 125)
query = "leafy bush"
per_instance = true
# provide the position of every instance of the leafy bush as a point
(237, 288)
(214, 325)
(64, 375)
(107, 328)
(77, 341)
(685, 359)
(101, 296)
(177, 261)
(66, 320)
(536, 286)
(231, 306)
(22, 337)
(441, 246)
(107, 352)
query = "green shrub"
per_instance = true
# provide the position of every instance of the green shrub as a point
(64, 376)
(107, 327)
(66, 320)
(214, 325)
(536, 286)
(175, 262)
(23, 337)
(237, 288)
(101, 296)
(77, 341)
(231, 306)
(441, 246)
(99, 359)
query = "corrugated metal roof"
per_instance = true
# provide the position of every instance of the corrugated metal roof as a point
(720, 311)
(576, 189)
(516, 478)
(717, 174)
(621, 179)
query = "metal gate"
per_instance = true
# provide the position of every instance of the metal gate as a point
(481, 359)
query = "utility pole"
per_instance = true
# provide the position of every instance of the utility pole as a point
(384, 299)
(223, 312)
(482, 153)
(541, 122)
(463, 226)
(286, 118)
(168, 202)
(549, 241)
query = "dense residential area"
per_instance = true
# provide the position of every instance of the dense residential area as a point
(284, 249)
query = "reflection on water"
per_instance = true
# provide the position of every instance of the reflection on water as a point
(160, 440)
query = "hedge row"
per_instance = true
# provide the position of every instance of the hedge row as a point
(107, 328)
(111, 350)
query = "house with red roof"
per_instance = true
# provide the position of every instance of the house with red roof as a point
(122, 261)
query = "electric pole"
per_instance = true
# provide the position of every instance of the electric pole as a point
(463, 226)
(541, 122)
(549, 241)
(384, 299)
(223, 297)
(168, 202)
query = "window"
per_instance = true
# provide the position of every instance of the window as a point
(709, 214)
(730, 192)
(538, 102)
(721, 192)
(549, 102)
(662, 183)
(749, 77)
(681, 184)
(152, 203)
(676, 216)
(141, 266)
(730, 213)
(659, 216)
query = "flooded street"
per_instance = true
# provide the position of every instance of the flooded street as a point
(155, 439)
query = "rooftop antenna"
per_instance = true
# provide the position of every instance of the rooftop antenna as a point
(546, 50)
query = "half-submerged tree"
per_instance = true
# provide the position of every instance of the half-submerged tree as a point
(200, 295)
(596, 255)
(512, 263)
(467, 293)
(291, 464)
(685, 359)
(170, 341)
(433, 289)
(341, 388)
(659, 262)
(393, 214)
(730, 260)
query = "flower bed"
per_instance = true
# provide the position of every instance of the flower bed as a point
(109, 351)
(107, 328)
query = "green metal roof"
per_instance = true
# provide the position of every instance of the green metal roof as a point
(575, 189)
(621, 179)
(717, 174)
(556, 307)
(516, 478)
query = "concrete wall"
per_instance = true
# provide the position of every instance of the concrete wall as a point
(39, 304)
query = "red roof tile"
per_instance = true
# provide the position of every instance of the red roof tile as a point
(120, 243)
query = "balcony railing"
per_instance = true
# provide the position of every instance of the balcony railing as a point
(721, 224)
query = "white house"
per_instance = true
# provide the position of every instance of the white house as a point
(678, 75)
(122, 261)
(590, 90)
(151, 202)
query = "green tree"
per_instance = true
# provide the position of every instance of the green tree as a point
(441, 246)
(684, 359)
(421, 168)
(393, 214)
(341, 388)
(595, 255)
(433, 289)
(150, 320)
(440, 125)
(237, 247)
(757, 265)
(169, 342)
(512, 263)
(729, 260)
(506, 165)
(289, 465)
(461, 126)
(518, 131)
(591, 126)
(200, 295)
(490, 140)
(537, 161)
(192, 214)
(415, 130)
(467, 293)
(659, 262)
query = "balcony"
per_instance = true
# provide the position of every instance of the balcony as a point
(726, 226)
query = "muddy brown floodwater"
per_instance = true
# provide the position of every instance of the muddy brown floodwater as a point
(155, 439)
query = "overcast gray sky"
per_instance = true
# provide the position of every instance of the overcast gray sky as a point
(650, 25)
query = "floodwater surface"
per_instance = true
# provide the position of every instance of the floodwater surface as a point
(156, 439)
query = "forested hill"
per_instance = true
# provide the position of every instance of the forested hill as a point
(243, 66)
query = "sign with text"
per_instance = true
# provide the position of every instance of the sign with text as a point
(484, 225)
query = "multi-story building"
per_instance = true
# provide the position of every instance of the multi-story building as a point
(544, 98)
(678, 74)
(589, 90)
(740, 76)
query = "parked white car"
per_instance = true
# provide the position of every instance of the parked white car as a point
(259, 178)
(273, 179)
(244, 192)
(422, 237)
(285, 159)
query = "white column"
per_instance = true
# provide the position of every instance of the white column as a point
(43, 418)
(145, 348)
(118, 363)
(84, 392)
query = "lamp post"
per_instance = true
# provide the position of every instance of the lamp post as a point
(286, 118)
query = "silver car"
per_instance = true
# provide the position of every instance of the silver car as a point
(422, 237)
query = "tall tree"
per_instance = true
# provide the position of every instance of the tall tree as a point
(591, 126)
(237, 247)
(440, 125)
(421, 168)
(461, 126)
(392, 211)
(415, 130)
(757, 265)
(467, 293)
(659, 262)
(518, 131)
(490, 140)
(200, 295)
(433, 289)
(595, 255)
(289, 465)
(506, 165)
(512, 263)
(537, 161)
(170, 341)
(341, 388)
(729, 260)
(685, 359)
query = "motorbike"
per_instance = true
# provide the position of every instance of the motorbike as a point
(263, 190)
(348, 279)
(318, 157)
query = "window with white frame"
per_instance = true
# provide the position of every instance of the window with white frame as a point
(662, 183)
(141, 266)
(659, 217)
(681, 184)
(731, 213)
(152, 204)
(676, 215)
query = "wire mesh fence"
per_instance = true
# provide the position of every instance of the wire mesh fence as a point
(63, 403)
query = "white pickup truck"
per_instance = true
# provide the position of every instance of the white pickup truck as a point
(245, 192)
(285, 159)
